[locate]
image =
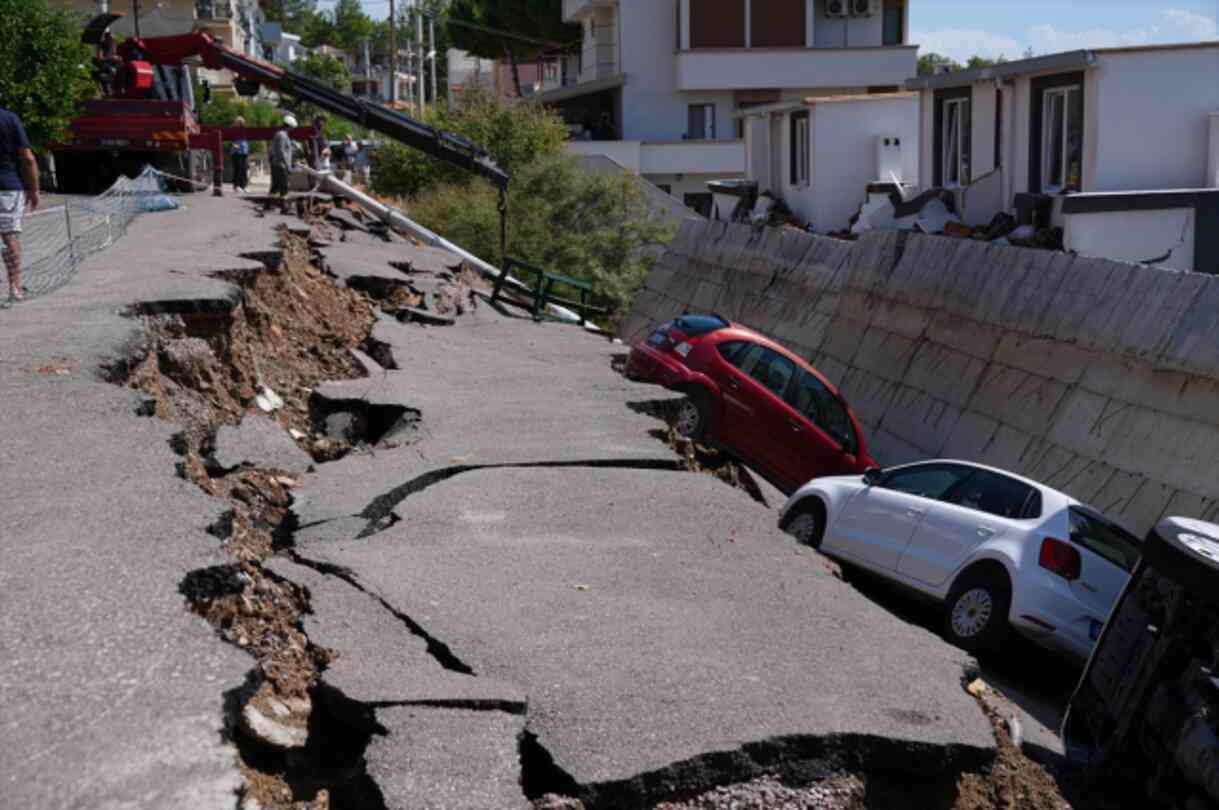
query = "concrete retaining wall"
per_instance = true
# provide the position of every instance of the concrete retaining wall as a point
(1096, 377)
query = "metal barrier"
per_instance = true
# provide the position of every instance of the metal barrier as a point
(55, 240)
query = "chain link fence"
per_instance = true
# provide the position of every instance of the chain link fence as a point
(54, 240)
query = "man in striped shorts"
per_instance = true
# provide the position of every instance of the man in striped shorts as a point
(16, 164)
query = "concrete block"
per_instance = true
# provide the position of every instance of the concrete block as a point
(1186, 504)
(921, 420)
(1088, 423)
(944, 372)
(964, 334)
(890, 450)
(869, 396)
(705, 297)
(844, 338)
(1024, 310)
(901, 318)
(872, 260)
(833, 370)
(1082, 286)
(970, 437)
(1016, 397)
(1084, 481)
(1009, 271)
(1118, 492)
(1051, 462)
(1177, 392)
(1149, 330)
(885, 354)
(1043, 356)
(1006, 448)
(1145, 507)
(1194, 343)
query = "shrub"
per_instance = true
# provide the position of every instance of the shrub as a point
(595, 227)
(513, 133)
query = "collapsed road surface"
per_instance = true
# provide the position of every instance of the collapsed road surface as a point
(516, 589)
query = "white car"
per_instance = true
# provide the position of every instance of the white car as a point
(999, 550)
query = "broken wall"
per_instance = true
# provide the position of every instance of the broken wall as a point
(1096, 377)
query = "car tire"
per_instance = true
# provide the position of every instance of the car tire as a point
(976, 618)
(693, 418)
(806, 523)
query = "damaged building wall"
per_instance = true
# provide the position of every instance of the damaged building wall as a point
(1096, 377)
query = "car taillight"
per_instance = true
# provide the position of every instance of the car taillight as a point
(1060, 558)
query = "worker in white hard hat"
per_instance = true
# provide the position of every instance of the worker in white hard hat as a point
(281, 160)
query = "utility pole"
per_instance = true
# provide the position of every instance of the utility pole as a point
(393, 58)
(135, 9)
(431, 33)
(422, 91)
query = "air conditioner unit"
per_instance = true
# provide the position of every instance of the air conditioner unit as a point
(837, 8)
(865, 8)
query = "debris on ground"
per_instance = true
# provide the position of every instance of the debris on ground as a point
(291, 329)
(769, 793)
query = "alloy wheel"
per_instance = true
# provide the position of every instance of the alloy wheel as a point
(689, 419)
(972, 612)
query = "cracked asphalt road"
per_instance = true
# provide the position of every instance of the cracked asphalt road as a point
(643, 619)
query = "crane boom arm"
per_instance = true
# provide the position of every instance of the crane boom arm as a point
(446, 146)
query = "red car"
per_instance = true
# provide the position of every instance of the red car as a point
(753, 397)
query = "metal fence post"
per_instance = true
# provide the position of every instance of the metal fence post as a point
(67, 220)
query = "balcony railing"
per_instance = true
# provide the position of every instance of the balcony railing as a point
(763, 68)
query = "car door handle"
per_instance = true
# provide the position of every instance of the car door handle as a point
(733, 384)
(986, 531)
(915, 512)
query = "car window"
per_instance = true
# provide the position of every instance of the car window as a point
(925, 480)
(728, 349)
(1104, 538)
(820, 406)
(746, 356)
(994, 494)
(774, 371)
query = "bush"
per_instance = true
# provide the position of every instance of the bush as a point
(224, 110)
(514, 134)
(594, 227)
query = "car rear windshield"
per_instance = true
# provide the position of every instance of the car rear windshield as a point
(1103, 537)
(695, 325)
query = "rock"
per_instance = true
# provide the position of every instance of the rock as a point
(268, 400)
(425, 317)
(977, 687)
(271, 731)
(260, 442)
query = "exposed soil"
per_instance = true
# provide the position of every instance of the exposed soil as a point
(291, 329)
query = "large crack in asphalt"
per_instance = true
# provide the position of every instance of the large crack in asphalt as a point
(381, 508)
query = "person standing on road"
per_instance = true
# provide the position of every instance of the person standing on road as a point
(240, 151)
(281, 160)
(16, 164)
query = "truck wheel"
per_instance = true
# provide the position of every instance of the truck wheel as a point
(976, 619)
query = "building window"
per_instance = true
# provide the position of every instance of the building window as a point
(701, 125)
(955, 154)
(894, 22)
(1062, 138)
(777, 24)
(717, 23)
(800, 149)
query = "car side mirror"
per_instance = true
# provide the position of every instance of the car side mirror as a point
(873, 476)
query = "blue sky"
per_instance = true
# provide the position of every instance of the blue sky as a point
(962, 28)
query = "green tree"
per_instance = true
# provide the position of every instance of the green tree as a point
(292, 14)
(351, 25)
(514, 134)
(930, 63)
(509, 29)
(596, 227)
(44, 69)
(984, 62)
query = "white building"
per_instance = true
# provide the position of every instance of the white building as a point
(279, 46)
(660, 81)
(1118, 146)
(820, 156)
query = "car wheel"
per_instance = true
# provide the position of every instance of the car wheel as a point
(806, 523)
(977, 610)
(693, 418)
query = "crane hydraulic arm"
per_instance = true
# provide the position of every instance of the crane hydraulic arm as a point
(446, 146)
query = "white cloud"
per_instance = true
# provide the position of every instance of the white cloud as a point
(959, 44)
(1174, 25)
